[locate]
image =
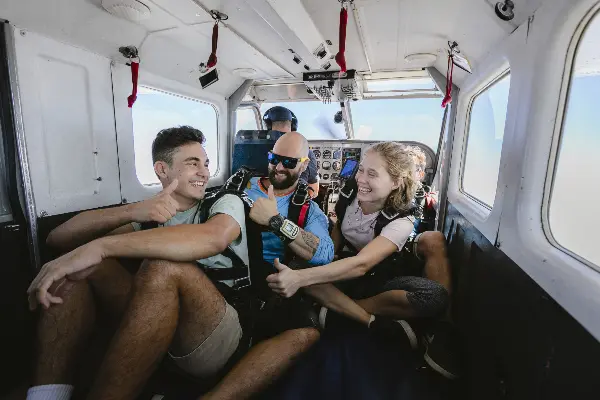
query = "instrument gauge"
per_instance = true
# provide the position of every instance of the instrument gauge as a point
(336, 165)
(326, 165)
(326, 154)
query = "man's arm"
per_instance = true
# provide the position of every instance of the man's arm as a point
(188, 242)
(313, 242)
(91, 225)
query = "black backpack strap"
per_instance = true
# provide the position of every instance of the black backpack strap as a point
(347, 196)
(239, 271)
(300, 199)
(298, 210)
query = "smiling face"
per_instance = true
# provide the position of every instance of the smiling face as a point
(374, 182)
(292, 145)
(189, 166)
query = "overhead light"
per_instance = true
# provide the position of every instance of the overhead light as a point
(422, 59)
(247, 73)
(131, 10)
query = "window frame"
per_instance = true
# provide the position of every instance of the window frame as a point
(257, 116)
(558, 134)
(489, 84)
(215, 109)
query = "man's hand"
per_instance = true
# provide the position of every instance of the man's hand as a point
(264, 209)
(59, 274)
(286, 282)
(159, 208)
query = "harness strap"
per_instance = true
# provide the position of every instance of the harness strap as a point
(297, 212)
(135, 68)
(212, 60)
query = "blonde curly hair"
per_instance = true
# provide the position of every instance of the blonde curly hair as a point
(400, 164)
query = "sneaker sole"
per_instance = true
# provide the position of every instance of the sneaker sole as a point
(410, 333)
(437, 368)
(322, 317)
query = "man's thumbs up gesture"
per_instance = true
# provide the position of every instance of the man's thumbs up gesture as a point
(286, 281)
(264, 209)
(159, 208)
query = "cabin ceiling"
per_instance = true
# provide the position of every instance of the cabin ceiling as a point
(176, 36)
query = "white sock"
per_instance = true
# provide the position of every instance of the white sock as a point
(371, 320)
(50, 392)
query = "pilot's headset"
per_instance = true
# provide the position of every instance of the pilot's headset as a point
(279, 113)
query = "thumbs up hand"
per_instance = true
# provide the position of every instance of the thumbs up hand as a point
(286, 281)
(159, 208)
(264, 209)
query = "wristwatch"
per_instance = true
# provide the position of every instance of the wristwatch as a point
(285, 229)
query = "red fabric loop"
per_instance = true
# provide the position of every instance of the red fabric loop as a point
(135, 68)
(212, 60)
(340, 58)
(448, 98)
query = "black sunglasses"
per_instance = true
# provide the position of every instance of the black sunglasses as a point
(287, 162)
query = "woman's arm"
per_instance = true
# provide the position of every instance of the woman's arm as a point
(287, 281)
(352, 267)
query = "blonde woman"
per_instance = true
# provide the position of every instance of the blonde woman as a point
(374, 226)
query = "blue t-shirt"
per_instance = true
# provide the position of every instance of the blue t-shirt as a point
(316, 223)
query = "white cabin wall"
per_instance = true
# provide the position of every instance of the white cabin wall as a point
(539, 60)
(67, 109)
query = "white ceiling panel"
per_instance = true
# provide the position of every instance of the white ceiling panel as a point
(81, 23)
(184, 10)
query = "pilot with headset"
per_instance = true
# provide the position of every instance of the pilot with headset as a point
(280, 119)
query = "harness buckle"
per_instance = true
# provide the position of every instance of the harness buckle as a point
(302, 194)
(241, 283)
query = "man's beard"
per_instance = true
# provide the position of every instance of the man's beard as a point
(288, 182)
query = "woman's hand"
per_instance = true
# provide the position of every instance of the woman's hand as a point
(286, 282)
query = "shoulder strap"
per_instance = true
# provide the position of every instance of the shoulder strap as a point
(298, 212)
(386, 216)
(299, 204)
(347, 195)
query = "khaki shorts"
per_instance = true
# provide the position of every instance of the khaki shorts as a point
(212, 354)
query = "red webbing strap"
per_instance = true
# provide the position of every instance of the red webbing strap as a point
(212, 60)
(135, 68)
(340, 58)
(303, 214)
(448, 98)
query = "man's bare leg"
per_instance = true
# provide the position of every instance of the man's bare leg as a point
(64, 330)
(393, 304)
(431, 247)
(263, 364)
(171, 302)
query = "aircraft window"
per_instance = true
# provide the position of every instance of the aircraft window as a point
(572, 213)
(155, 110)
(245, 119)
(484, 141)
(416, 119)
(315, 119)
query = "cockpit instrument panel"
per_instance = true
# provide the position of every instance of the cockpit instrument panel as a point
(331, 155)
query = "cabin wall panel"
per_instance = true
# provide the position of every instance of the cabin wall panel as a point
(538, 55)
(518, 342)
(68, 118)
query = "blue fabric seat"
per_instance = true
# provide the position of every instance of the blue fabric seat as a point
(250, 148)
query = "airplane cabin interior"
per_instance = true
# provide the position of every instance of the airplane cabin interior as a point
(499, 96)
